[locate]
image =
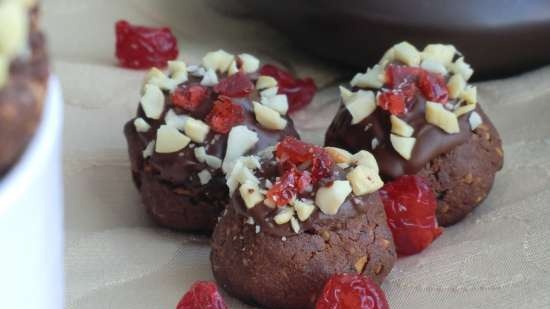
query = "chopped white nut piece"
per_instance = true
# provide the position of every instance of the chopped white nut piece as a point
(265, 82)
(233, 68)
(152, 101)
(158, 78)
(251, 162)
(174, 120)
(239, 174)
(250, 193)
(462, 68)
(239, 141)
(360, 105)
(365, 158)
(403, 145)
(149, 149)
(374, 143)
(437, 115)
(277, 102)
(14, 28)
(169, 140)
(434, 66)
(269, 92)
(295, 225)
(196, 130)
(440, 52)
(251, 64)
(250, 221)
(388, 57)
(464, 109)
(330, 199)
(407, 53)
(257, 229)
(210, 78)
(284, 215)
(219, 60)
(400, 127)
(475, 120)
(195, 70)
(303, 209)
(267, 153)
(204, 177)
(373, 78)
(141, 125)
(345, 93)
(210, 160)
(339, 155)
(456, 85)
(268, 117)
(178, 71)
(469, 94)
(364, 180)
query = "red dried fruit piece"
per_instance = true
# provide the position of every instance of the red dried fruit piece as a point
(351, 292)
(292, 182)
(392, 101)
(321, 165)
(202, 295)
(293, 150)
(139, 47)
(224, 115)
(399, 75)
(410, 206)
(300, 92)
(433, 87)
(189, 97)
(235, 86)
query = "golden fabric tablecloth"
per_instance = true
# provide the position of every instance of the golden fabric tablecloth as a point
(499, 257)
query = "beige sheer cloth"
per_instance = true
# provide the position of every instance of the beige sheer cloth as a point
(499, 257)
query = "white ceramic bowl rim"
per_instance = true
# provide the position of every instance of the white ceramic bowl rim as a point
(31, 161)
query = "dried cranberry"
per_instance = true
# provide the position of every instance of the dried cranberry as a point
(235, 86)
(189, 97)
(321, 165)
(433, 87)
(293, 150)
(392, 101)
(399, 75)
(202, 295)
(300, 92)
(225, 115)
(410, 207)
(139, 47)
(351, 292)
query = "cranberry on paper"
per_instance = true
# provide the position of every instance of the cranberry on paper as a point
(202, 295)
(352, 292)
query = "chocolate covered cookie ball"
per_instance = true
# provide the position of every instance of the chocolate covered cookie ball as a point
(191, 126)
(417, 114)
(297, 215)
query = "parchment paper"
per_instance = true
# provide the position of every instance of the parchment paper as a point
(499, 257)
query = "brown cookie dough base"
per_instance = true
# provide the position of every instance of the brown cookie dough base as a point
(264, 270)
(463, 177)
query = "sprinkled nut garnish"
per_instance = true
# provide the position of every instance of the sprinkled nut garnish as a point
(366, 159)
(269, 92)
(284, 215)
(269, 118)
(339, 155)
(469, 94)
(219, 60)
(330, 199)
(233, 69)
(204, 177)
(250, 193)
(456, 85)
(152, 102)
(240, 141)
(174, 120)
(464, 109)
(373, 78)
(4, 69)
(277, 102)
(149, 149)
(400, 127)
(141, 125)
(407, 53)
(196, 130)
(434, 66)
(295, 225)
(462, 68)
(203, 157)
(360, 104)
(265, 82)
(239, 174)
(403, 145)
(303, 209)
(210, 78)
(158, 78)
(475, 120)
(178, 71)
(169, 140)
(14, 28)
(364, 180)
(250, 63)
(439, 52)
(437, 115)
